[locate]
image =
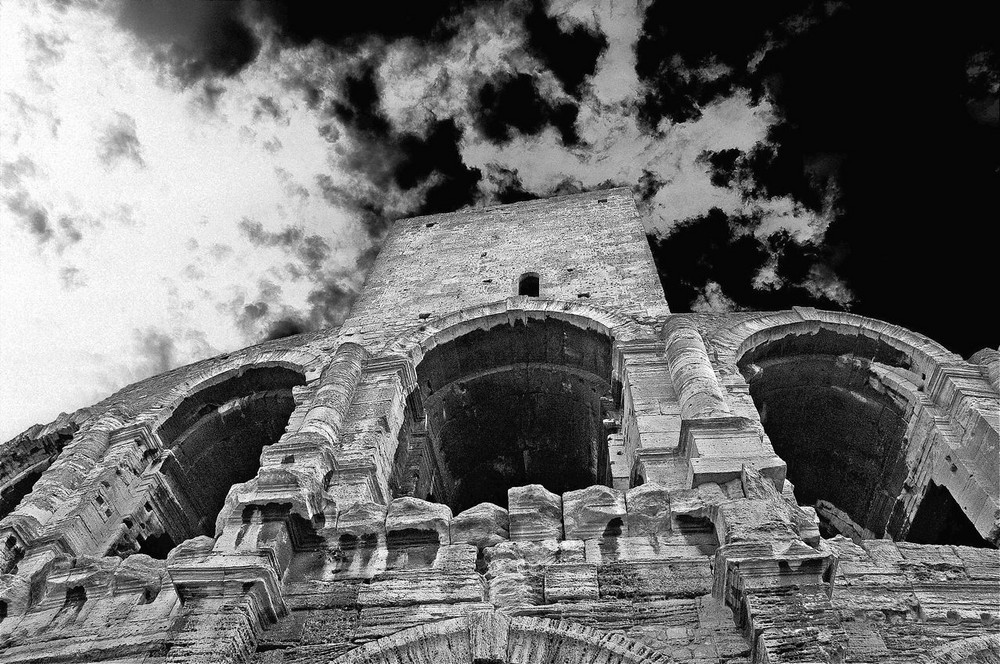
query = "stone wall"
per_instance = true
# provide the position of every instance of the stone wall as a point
(691, 546)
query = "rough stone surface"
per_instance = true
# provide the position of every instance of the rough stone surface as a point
(628, 485)
(535, 513)
(484, 525)
(594, 512)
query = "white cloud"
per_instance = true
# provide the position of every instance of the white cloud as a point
(70, 319)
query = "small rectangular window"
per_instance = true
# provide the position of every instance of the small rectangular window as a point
(528, 284)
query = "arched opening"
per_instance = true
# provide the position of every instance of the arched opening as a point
(216, 437)
(940, 520)
(840, 426)
(528, 284)
(24, 462)
(519, 403)
(13, 494)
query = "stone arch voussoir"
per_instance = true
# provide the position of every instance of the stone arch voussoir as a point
(493, 636)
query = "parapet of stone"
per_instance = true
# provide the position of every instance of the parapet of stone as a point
(647, 510)
(484, 525)
(413, 518)
(594, 512)
(535, 513)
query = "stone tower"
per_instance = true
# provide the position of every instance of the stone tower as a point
(513, 452)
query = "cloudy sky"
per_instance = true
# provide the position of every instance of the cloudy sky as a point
(182, 178)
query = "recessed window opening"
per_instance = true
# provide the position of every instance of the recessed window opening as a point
(75, 596)
(216, 437)
(842, 434)
(516, 404)
(528, 284)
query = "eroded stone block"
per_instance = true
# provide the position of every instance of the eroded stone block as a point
(594, 512)
(648, 510)
(484, 525)
(535, 513)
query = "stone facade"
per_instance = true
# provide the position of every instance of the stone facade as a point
(513, 452)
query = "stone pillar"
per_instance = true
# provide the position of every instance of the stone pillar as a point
(691, 371)
(293, 469)
(333, 398)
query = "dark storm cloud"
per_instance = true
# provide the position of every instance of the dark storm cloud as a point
(570, 55)
(285, 327)
(391, 160)
(506, 185)
(269, 107)
(330, 303)
(511, 105)
(301, 23)
(327, 306)
(119, 143)
(193, 39)
(312, 250)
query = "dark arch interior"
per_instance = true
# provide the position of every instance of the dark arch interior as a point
(940, 520)
(15, 493)
(517, 404)
(216, 437)
(844, 440)
(22, 469)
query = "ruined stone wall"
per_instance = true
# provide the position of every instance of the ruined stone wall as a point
(699, 549)
(586, 248)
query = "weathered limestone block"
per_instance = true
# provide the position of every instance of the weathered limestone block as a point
(756, 486)
(423, 586)
(360, 544)
(412, 515)
(15, 591)
(648, 510)
(540, 640)
(543, 552)
(512, 580)
(795, 625)
(980, 564)
(361, 519)
(139, 574)
(457, 558)
(414, 529)
(571, 582)
(650, 547)
(571, 551)
(695, 504)
(197, 571)
(753, 521)
(671, 579)
(535, 513)
(594, 512)
(484, 525)
(488, 635)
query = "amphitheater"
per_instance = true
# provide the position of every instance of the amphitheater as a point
(513, 452)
